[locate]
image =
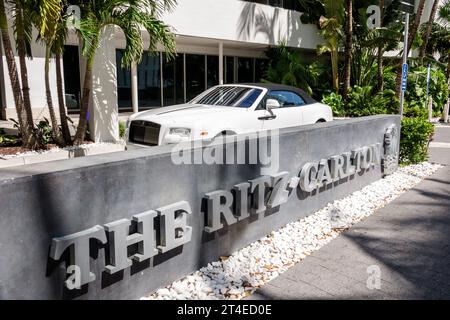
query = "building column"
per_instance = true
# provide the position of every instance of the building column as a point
(104, 109)
(220, 62)
(3, 83)
(134, 88)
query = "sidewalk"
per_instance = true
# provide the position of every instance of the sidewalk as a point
(440, 146)
(408, 240)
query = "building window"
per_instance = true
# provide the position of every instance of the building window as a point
(275, 3)
(149, 81)
(195, 75)
(72, 86)
(173, 80)
(123, 82)
(182, 78)
(212, 71)
(229, 70)
(291, 5)
(261, 66)
(245, 70)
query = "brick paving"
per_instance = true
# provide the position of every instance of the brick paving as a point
(408, 240)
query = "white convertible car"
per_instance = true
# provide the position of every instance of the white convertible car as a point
(226, 110)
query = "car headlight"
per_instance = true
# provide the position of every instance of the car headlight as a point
(185, 132)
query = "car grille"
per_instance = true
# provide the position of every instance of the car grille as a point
(144, 132)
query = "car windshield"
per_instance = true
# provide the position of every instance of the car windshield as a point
(229, 96)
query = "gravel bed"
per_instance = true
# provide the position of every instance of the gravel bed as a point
(240, 274)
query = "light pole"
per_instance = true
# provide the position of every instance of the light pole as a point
(406, 6)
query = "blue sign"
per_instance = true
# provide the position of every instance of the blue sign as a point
(404, 76)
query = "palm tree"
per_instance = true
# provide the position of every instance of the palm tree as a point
(23, 33)
(331, 32)
(428, 30)
(58, 48)
(131, 16)
(288, 68)
(24, 116)
(348, 47)
(47, 18)
(415, 26)
(412, 34)
(444, 16)
(380, 79)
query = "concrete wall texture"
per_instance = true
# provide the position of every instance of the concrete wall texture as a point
(55, 199)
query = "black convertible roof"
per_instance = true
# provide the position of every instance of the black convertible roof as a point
(283, 87)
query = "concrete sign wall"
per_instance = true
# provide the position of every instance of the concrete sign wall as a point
(120, 225)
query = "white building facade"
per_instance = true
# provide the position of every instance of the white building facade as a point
(218, 41)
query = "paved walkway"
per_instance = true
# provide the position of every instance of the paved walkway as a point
(408, 240)
(440, 146)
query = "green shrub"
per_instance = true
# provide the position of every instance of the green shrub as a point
(336, 103)
(362, 101)
(415, 136)
(43, 133)
(414, 111)
(416, 94)
(288, 66)
(6, 139)
(122, 129)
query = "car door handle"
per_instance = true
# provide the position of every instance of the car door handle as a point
(267, 117)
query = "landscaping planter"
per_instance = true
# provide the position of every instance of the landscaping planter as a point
(61, 154)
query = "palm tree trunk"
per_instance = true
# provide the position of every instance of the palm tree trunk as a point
(22, 62)
(48, 94)
(62, 110)
(423, 47)
(335, 71)
(416, 24)
(348, 48)
(86, 95)
(25, 127)
(380, 53)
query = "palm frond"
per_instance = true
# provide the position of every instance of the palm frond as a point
(385, 38)
(21, 25)
(335, 9)
(50, 16)
(132, 17)
(444, 12)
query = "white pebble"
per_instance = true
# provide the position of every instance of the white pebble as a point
(263, 260)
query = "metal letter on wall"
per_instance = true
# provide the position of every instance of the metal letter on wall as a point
(78, 244)
(219, 204)
(120, 240)
(174, 229)
(308, 176)
(391, 150)
(242, 208)
(280, 193)
(258, 189)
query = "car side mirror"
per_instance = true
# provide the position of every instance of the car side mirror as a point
(272, 104)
